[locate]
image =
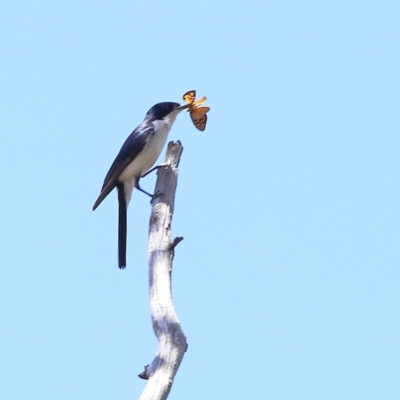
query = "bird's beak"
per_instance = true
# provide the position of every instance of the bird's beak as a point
(183, 107)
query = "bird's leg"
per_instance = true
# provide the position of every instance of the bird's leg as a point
(147, 173)
(153, 169)
(137, 186)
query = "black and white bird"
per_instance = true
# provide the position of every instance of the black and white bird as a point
(137, 155)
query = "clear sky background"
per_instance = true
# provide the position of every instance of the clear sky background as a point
(287, 282)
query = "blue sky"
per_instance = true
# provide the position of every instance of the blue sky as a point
(287, 282)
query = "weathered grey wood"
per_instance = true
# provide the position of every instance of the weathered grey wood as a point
(171, 339)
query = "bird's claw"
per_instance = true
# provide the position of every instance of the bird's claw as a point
(156, 196)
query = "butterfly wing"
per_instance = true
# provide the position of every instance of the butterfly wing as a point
(199, 117)
(199, 101)
(189, 96)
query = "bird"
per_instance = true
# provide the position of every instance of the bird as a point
(137, 155)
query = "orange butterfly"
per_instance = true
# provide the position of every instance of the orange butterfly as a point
(198, 114)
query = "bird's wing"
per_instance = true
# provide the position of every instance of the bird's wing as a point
(133, 145)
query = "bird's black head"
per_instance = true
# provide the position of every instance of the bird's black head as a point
(161, 110)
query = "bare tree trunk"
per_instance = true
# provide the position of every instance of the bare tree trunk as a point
(171, 339)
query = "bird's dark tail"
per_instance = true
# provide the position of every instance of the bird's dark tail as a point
(122, 227)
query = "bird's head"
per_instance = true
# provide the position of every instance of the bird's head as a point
(161, 110)
(166, 112)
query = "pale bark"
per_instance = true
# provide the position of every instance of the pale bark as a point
(171, 339)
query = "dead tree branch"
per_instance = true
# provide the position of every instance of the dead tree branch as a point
(171, 339)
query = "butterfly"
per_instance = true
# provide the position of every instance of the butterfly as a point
(198, 114)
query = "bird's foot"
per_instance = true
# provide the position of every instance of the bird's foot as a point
(156, 168)
(156, 196)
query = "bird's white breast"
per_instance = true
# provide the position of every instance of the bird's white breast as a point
(149, 155)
